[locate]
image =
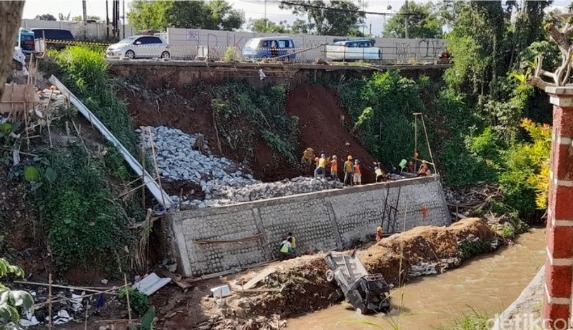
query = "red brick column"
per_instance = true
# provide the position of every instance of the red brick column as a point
(558, 266)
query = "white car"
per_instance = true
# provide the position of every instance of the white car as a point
(139, 47)
(353, 50)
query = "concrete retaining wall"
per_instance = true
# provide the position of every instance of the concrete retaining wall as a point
(320, 221)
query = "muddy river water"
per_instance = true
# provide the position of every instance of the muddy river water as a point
(487, 284)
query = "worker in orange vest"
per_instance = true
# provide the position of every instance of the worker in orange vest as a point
(357, 173)
(334, 168)
(348, 171)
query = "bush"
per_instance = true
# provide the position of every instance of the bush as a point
(85, 225)
(238, 104)
(138, 302)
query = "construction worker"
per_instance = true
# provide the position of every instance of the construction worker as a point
(320, 167)
(348, 171)
(357, 178)
(378, 172)
(378, 234)
(411, 167)
(402, 165)
(286, 251)
(293, 241)
(334, 168)
(424, 169)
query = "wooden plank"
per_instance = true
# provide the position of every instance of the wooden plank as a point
(177, 279)
(259, 277)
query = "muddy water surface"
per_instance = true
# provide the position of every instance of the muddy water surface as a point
(488, 284)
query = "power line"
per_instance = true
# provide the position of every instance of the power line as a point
(363, 12)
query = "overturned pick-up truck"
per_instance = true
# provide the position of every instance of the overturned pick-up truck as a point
(368, 293)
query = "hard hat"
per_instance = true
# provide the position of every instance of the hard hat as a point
(334, 156)
(379, 228)
(349, 157)
(322, 155)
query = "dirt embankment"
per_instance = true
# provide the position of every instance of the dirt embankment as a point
(302, 281)
(319, 126)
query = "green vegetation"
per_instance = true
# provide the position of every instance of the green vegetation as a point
(381, 108)
(85, 74)
(12, 300)
(159, 15)
(469, 321)
(472, 248)
(329, 18)
(237, 105)
(73, 189)
(422, 22)
(484, 123)
(138, 302)
(85, 223)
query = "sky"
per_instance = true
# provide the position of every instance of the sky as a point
(253, 9)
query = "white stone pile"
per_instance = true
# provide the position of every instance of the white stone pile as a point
(223, 181)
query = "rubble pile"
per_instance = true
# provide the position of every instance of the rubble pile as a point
(224, 182)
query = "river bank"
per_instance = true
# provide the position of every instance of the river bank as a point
(299, 286)
(486, 284)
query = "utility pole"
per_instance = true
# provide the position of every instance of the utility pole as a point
(266, 21)
(123, 20)
(85, 11)
(406, 17)
(107, 18)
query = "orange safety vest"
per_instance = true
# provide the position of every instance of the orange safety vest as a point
(334, 165)
(356, 169)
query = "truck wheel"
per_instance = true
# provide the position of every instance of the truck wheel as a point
(329, 276)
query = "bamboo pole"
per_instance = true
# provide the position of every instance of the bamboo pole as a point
(143, 166)
(128, 304)
(50, 301)
(156, 168)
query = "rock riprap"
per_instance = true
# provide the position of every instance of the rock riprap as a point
(222, 180)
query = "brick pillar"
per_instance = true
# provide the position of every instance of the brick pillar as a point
(558, 266)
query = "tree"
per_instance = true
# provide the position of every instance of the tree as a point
(159, 15)
(336, 18)
(223, 16)
(46, 17)
(150, 15)
(423, 22)
(263, 25)
(10, 15)
(300, 26)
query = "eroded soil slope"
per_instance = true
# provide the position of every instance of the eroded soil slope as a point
(316, 107)
(322, 129)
